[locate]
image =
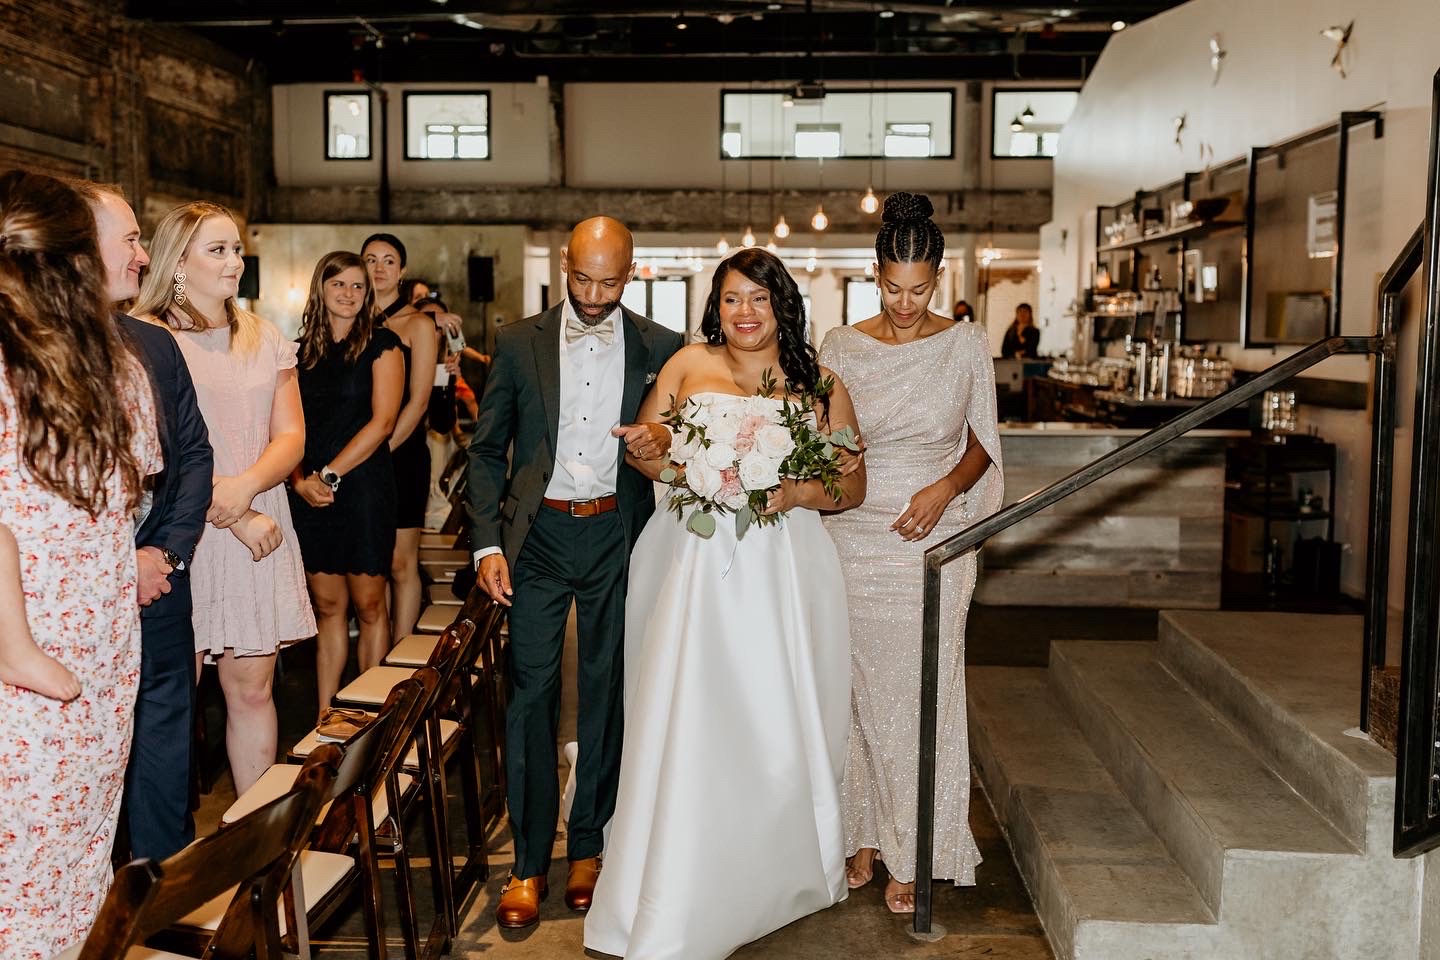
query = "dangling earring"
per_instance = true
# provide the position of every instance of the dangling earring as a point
(179, 295)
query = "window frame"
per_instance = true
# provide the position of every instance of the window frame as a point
(369, 121)
(995, 91)
(408, 157)
(778, 92)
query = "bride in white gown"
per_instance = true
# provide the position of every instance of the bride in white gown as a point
(737, 679)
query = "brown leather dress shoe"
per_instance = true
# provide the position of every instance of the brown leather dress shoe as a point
(580, 886)
(520, 901)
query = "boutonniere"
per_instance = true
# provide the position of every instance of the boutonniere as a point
(650, 378)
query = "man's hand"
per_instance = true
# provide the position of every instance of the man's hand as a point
(258, 532)
(494, 577)
(154, 579)
(645, 441)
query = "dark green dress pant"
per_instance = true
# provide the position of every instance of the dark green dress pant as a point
(585, 559)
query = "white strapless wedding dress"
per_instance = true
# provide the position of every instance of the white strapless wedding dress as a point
(737, 708)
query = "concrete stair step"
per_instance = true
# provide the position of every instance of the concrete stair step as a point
(1289, 683)
(1198, 785)
(1104, 885)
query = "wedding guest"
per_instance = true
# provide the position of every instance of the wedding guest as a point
(560, 516)
(412, 291)
(964, 313)
(924, 391)
(384, 257)
(157, 781)
(1022, 337)
(246, 581)
(79, 438)
(352, 376)
(410, 456)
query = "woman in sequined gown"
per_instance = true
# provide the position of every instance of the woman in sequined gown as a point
(924, 391)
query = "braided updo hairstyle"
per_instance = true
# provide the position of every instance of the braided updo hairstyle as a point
(907, 234)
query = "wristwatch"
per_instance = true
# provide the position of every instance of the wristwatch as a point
(176, 563)
(330, 478)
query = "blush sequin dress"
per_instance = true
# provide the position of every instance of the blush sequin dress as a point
(914, 402)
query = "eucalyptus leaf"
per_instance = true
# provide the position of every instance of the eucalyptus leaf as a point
(701, 524)
(828, 449)
(668, 475)
(743, 518)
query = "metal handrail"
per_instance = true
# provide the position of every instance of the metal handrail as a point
(976, 534)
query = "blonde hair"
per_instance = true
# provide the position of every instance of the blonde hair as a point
(172, 239)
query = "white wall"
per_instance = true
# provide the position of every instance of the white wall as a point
(1275, 82)
(649, 135)
(519, 139)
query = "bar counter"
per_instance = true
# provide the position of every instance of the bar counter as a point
(1149, 535)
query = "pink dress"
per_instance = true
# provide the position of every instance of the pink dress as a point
(62, 765)
(246, 607)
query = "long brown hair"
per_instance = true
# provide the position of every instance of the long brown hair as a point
(167, 248)
(315, 337)
(62, 353)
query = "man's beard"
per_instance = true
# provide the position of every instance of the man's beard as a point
(605, 309)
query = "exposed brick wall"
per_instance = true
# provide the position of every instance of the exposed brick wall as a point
(165, 114)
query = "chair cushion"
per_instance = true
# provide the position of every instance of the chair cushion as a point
(413, 651)
(443, 594)
(444, 555)
(374, 685)
(436, 618)
(319, 874)
(311, 740)
(440, 571)
(277, 780)
(445, 541)
(136, 953)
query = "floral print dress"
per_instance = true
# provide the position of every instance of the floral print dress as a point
(62, 765)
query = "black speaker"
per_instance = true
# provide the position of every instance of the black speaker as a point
(250, 280)
(482, 279)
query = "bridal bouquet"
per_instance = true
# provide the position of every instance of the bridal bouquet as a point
(727, 458)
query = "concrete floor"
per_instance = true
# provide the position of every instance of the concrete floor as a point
(994, 919)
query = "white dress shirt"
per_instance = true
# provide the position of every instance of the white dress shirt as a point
(592, 388)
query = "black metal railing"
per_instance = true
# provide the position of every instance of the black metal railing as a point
(1417, 766)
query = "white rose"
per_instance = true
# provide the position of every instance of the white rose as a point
(759, 472)
(760, 407)
(723, 426)
(703, 478)
(720, 455)
(737, 501)
(774, 441)
(682, 450)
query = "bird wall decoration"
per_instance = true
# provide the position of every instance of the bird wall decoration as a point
(1217, 57)
(1340, 36)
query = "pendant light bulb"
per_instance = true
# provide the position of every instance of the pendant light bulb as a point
(1017, 124)
(773, 247)
(1027, 114)
(722, 246)
(869, 203)
(819, 221)
(782, 229)
(748, 240)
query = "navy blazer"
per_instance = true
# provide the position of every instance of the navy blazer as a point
(512, 452)
(182, 489)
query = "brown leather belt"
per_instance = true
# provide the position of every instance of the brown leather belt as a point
(583, 508)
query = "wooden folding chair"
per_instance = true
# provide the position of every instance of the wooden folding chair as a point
(247, 864)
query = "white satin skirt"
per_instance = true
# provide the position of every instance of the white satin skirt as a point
(737, 709)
